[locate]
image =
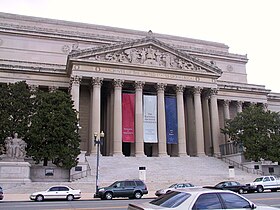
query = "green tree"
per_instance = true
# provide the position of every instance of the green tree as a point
(258, 131)
(53, 134)
(15, 109)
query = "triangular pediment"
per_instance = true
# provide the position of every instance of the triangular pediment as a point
(147, 52)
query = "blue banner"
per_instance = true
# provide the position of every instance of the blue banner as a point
(171, 120)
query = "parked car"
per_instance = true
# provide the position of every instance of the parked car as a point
(264, 183)
(172, 187)
(230, 185)
(198, 198)
(1, 193)
(56, 192)
(127, 188)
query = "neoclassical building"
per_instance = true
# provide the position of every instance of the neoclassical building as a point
(152, 94)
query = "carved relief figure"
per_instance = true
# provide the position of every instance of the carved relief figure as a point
(15, 147)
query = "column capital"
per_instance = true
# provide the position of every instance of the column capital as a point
(180, 88)
(118, 83)
(33, 88)
(75, 79)
(96, 81)
(139, 85)
(265, 106)
(52, 88)
(226, 103)
(161, 86)
(213, 91)
(197, 90)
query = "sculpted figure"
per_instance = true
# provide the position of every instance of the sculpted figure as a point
(15, 147)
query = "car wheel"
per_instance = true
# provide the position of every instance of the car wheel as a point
(137, 195)
(70, 197)
(259, 189)
(241, 191)
(39, 198)
(108, 196)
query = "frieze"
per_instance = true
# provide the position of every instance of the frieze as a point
(31, 66)
(145, 74)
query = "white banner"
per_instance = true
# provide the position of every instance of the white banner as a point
(150, 119)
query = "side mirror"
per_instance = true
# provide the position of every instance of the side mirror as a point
(253, 206)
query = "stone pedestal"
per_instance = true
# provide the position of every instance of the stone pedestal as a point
(14, 172)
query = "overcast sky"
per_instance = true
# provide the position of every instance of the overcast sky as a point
(247, 26)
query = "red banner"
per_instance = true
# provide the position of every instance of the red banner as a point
(128, 107)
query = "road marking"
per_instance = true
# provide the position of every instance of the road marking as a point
(263, 199)
(97, 208)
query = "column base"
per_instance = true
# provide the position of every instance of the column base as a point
(140, 155)
(163, 155)
(118, 155)
(201, 155)
(183, 155)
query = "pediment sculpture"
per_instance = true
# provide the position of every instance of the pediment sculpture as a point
(148, 55)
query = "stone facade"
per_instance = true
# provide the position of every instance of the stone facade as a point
(98, 63)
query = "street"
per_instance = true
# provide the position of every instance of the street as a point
(266, 198)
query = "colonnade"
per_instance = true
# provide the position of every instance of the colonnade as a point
(204, 108)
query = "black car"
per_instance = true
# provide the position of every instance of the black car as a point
(230, 185)
(1, 193)
(127, 188)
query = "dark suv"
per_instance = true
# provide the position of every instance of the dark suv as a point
(127, 188)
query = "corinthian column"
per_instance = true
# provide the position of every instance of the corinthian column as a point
(239, 106)
(162, 151)
(226, 115)
(198, 122)
(139, 139)
(117, 151)
(95, 110)
(181, 121)
(215, 121)
(75, 90)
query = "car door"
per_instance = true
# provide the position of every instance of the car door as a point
(118, 189)
(63, 192)
(233, 201)
(207, 201)
(52, 193)
(129, 187)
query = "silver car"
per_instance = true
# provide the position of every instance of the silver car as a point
(198, 198)
(56, 192)
(172, 187)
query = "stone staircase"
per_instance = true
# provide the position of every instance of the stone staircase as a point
(160, 173)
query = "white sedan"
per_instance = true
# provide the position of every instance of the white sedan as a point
(172, 187)
(56, 192)
(198, 198)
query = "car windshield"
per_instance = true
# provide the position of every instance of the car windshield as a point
(172, 186)
(114, 184)
(258, 179)
(171, 199)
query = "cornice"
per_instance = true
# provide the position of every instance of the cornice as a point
(234, 86)
(32, 66)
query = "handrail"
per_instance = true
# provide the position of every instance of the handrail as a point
(79, 175)
(241, 166)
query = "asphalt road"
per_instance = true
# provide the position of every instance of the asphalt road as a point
(267, 198)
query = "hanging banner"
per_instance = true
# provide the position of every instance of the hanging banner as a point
(150, 119)
(128, 107)
(171, 120)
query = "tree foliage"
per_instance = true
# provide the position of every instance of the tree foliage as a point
(258, 131)
(15, 109)
(53, 134)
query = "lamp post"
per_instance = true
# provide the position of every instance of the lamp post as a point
(97, 142)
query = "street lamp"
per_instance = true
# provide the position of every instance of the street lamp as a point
(97, 142)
